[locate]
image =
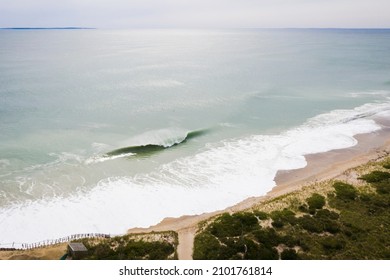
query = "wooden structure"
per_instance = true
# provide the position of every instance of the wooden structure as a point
(77, 251)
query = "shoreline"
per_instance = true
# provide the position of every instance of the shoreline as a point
(320, 167)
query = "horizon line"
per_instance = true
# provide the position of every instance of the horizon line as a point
(202, 28)
(66, 27)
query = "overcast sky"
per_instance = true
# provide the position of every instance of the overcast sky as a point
(195, 13)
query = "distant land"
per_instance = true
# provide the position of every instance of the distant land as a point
(44, 28)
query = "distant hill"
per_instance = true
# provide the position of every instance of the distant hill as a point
(44, 28)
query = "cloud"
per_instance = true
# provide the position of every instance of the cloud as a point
(197, 13)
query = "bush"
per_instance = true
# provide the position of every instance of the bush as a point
(303, 208)
(324, 214)
(247, 220)
(102, 252)
(345, 191)
(382, 187)
(386, 165)
(332, 243)
(267, 236)
(260, 214)
(331, 226)
(378, 204)
(281, 217)
(316, 201)
(233, 225)
(289, 254)
(225, 226)
(206, 247)
(310, 224)
(376, 176)
(290, 240)
(277, 224)
(261, 252)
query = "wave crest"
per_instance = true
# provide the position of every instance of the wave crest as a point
(162, 144)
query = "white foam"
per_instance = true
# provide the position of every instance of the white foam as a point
(65, 157)
(97, 159)
(221, 175)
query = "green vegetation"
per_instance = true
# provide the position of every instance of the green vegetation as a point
(347, 222)
(345, 191)
(316, 201)
(376, 177)
(153, 246)
(386, 165)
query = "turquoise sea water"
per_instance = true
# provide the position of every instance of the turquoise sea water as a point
(103, 130)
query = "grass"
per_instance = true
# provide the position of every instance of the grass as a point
(151, 246)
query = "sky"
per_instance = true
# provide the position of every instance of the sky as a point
(196, 13)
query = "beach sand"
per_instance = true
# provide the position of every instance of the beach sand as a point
(320, 167)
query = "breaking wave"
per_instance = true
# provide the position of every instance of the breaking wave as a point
(151, 148)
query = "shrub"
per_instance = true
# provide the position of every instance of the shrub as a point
(289, 254)
(316, 201)
(281, 217)
(260, 214)
(277, 224)
(267, 236)
(310, 224)
(376, 176)
(345, 191)
(382, 187)
(225, 225)
(261, 252)
(378, 204)
(102, 252)
(386, 165)
(206, 247)
(290, 240)
(332, 243)
(303, 208)
(234, 249)
(233, 225)
(324, 214)
(247, 220)
(331, 226)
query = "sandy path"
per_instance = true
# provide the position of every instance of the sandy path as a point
(186, 243)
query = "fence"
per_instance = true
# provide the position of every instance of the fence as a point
(28, 246)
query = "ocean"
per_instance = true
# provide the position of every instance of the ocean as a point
(105, 130)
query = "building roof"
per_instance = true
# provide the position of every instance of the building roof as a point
(77, 247)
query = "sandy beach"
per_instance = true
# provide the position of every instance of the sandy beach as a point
(320, 167)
